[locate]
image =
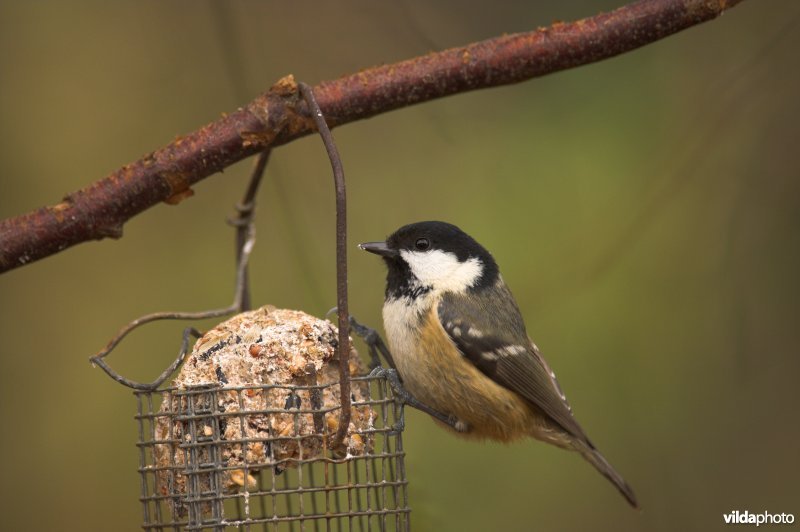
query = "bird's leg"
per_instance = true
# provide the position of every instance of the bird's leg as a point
(374, 342)
(403, 397)
(376, 345)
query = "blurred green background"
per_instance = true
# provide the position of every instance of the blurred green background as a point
(644, 210)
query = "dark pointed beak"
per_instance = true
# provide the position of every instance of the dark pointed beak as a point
(379, 248)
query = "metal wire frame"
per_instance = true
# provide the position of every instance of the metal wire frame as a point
(319, 492)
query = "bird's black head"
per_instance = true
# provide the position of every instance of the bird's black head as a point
(437, 256)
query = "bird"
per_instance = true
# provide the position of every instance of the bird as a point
(460, 345)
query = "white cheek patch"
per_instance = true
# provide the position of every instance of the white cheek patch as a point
(442, 270)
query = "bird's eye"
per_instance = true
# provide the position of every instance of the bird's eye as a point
(422, 244)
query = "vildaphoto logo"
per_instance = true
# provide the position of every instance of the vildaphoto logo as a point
(764, 518)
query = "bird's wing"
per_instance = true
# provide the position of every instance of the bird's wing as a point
(490, 333)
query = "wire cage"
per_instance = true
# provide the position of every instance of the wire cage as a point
(202, 466)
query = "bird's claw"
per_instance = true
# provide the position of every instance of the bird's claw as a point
(458, 425)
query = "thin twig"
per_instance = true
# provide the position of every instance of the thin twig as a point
(187, 333)
(101, 209)
(341, 262)
(245, 240)
(246, 211)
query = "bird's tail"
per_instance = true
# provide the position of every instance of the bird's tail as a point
(594, 457)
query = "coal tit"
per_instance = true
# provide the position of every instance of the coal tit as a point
(460, 345)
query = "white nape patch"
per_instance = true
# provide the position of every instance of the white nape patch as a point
(442, 271)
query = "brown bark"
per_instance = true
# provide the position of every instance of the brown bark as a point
(279, 116)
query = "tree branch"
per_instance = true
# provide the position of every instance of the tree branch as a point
(279, 116)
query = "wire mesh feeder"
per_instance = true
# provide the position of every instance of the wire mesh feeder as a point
(243, 454)
(316, 492)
